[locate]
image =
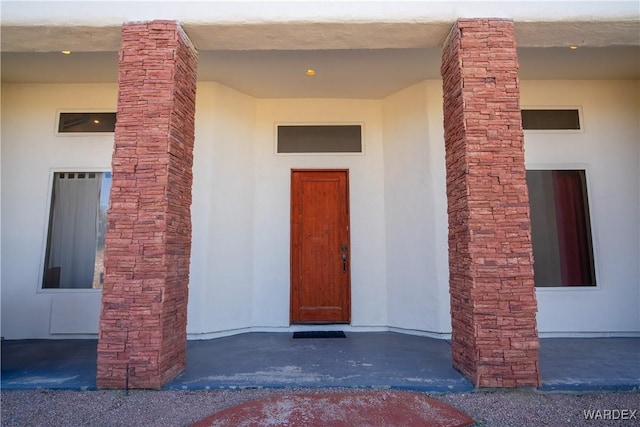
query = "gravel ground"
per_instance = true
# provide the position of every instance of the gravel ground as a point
(181, 408)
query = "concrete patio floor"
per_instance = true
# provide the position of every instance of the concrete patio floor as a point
(362, 360)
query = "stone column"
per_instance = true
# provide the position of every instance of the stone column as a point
(142, 341)
(493, 304)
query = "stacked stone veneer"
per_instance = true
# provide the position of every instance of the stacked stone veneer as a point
(142, 339)
(493, 305)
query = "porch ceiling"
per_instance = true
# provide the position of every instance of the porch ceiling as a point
(367, 60)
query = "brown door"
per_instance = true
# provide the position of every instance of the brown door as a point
(320, 278)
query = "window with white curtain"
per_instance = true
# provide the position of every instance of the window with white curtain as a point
(77, 226)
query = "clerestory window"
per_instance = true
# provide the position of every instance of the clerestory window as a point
(315, 139)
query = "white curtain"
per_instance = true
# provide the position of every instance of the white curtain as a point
(74, 228)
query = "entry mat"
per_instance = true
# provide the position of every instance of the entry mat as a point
(319, 334)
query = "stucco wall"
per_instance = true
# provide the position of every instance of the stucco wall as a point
(221, 279)
(416, 208)
(240, 253)
(224, 11)
(30, 153)
(608, 148)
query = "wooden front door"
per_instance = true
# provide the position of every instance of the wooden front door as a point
(320, 251)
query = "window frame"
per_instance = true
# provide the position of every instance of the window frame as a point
(592, 220)
(339, 153)
(45, 233)
(555, 107)
(56, 125)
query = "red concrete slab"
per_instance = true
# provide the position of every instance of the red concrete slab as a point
(371, 408)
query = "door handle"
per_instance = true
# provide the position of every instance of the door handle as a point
(344, 258)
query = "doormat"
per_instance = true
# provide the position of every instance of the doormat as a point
(319, 334)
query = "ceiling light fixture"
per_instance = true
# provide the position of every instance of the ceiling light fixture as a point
(96, 121)
(573, 47)
(310, 72)
(65, 52)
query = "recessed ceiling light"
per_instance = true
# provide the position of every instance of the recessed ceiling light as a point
(65, 52)
(574, 47)
(310, 72)
(96, 121)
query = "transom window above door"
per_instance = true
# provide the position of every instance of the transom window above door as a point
(310, 139)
